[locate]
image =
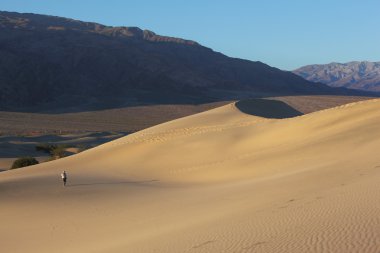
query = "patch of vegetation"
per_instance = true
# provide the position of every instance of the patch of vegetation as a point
(45, 147)
(59, 152)
(23, 162)
(55, 150)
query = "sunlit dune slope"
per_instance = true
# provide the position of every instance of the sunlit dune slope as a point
(218, 181)
(224, 144)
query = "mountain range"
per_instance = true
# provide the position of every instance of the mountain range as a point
(361, 75)
(51, 63)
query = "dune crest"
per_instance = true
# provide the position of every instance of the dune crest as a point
(218, 181)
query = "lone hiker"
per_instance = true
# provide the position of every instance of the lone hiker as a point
(64, 177)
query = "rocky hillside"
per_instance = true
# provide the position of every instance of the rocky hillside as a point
(354, 75)
(52, 63)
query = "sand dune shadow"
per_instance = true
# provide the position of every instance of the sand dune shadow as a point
(267, 108)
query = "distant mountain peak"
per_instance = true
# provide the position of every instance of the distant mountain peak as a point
(361, 75)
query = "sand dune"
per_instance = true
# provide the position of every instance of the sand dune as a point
(218, 181)
(132, 119)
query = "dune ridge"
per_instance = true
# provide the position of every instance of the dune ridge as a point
(218, 181)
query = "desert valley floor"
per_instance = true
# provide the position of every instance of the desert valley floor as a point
(217, 181)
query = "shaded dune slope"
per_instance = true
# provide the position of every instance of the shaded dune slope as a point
(267, 108)
(218, 181)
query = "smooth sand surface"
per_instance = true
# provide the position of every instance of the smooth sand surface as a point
(218, 181)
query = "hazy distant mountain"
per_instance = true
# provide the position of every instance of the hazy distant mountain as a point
(50, 62)
(354, 75)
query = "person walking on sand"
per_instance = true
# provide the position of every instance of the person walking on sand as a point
(64, 177)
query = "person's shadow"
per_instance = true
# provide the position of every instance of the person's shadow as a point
(113, 183)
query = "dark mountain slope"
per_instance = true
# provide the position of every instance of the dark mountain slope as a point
(52, 63)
